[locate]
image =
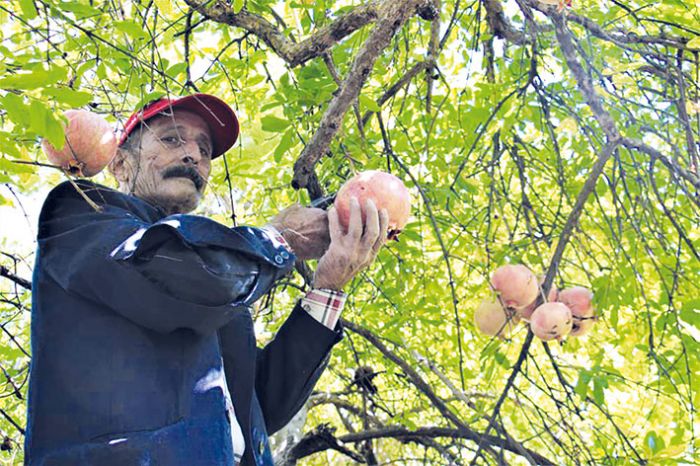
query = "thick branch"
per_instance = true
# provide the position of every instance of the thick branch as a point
(12, 421)
(293, 53)
(500, 25)
(405, 435)
(669, 162)
(465, 432)
(5, 272)
(320, 439)
(392, 15)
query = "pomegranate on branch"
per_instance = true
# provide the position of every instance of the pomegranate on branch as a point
(580, 301)
(494, 320)
(551, 321)
(516, 284)
(387, 191)
(551, 296)
(89, 146)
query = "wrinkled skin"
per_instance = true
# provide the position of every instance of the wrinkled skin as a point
(182, 140)
(351, 252)
(305, 229)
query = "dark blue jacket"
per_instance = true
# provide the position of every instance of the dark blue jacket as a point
(136, 319)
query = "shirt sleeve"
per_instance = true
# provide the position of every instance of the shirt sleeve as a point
(323, 305)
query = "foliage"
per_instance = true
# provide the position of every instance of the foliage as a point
(494, 114)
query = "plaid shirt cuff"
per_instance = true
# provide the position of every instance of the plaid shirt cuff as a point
(324, 305)
(276, 237)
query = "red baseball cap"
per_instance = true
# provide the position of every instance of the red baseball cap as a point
(218, 115)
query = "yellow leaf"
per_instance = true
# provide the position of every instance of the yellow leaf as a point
(694, 44)
(164, 6)
(568, 125)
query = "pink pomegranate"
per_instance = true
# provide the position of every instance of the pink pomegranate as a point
(516, 284)
(90, 144)
(580, 301)
(550, 321)
(493, 320)
(387, 191)
(526, 312)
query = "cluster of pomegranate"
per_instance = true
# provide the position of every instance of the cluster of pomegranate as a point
(566, 312)
(89, 146)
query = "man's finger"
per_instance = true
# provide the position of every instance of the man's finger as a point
(383, 228)
(371, 224)
(355, 223)
(334, 228)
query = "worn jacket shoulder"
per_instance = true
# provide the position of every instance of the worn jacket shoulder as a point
(101, 196)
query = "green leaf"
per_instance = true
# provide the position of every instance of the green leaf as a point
(176, 69)
(148, 98)
(68, 96)
(31, 80)
(598, 393)
(238, 5)
(653, 442)
(17, 110)
(28, 9)
(285, 144)
(80, 10)
(273, 124)
(694, 43)
(581, 388)
(45, 123)
(369, 104)
(131, 29)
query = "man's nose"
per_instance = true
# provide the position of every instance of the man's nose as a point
(190, 153)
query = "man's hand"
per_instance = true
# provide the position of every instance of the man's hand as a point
(352, 251)
(305, 229)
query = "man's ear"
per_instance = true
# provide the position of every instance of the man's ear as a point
(120, 167)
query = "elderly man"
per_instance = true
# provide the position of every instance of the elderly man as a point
(143, 345)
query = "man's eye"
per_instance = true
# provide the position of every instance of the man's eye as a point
(170, 139)
(204, 151)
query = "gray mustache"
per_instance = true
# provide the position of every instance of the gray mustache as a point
(186, 172)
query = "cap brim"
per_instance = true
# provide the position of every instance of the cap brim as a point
(218, 115)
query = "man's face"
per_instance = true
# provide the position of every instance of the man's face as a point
(172, 165)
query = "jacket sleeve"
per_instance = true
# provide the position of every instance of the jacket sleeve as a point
(182, 271)
(291, 364)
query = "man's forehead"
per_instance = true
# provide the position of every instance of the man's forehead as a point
(177, 118)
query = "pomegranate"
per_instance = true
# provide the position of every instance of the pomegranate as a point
(516, 284)
(580, 301)
(526, 312)
(387, 191)
(493, 320)
(90, 144)
(550, 321)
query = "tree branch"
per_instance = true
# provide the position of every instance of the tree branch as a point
(465, 432)
(5, 272)
(500, 26)
(293, 53)
(392, 15)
